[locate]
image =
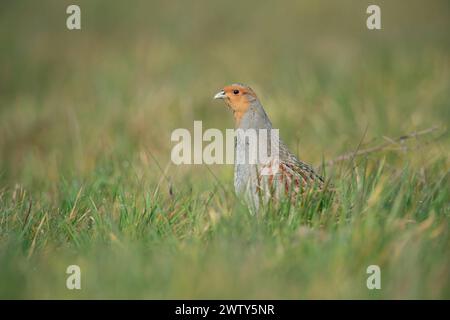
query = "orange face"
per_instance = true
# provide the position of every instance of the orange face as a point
(238, 98)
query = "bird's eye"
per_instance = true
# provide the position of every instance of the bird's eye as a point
(236, 91)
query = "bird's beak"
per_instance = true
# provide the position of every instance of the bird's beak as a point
(220, 95)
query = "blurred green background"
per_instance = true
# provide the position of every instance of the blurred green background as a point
(85, 124)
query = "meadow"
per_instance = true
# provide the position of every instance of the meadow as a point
(86, 178)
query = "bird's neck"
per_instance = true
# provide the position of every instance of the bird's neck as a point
(254, 118)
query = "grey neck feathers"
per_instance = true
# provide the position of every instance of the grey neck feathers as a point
(255, 117)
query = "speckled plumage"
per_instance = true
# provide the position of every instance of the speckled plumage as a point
(275, 178)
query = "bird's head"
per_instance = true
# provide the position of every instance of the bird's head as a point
(238, 97)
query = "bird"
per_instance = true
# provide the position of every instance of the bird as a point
(281, 174)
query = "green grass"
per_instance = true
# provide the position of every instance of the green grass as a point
(85, 124)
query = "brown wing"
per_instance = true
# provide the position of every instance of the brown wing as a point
(289, 176)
